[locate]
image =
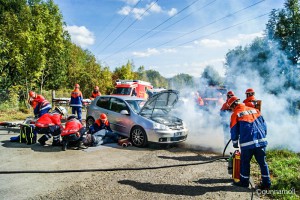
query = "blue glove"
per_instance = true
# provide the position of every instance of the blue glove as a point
(236, 145)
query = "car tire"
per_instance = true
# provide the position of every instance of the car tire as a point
(90, 121)
(138, 137)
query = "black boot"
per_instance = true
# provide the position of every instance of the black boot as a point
(81, 145)
(56, 141)
(64, 145)
(43, 140)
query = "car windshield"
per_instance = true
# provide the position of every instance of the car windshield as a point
(122, 90)
(136, 105)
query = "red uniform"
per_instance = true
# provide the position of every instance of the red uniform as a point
(225, 107)
(49, 119)
(72, 126)
(94, 95)
(250, 101)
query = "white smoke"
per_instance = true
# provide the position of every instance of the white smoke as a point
(283, 128)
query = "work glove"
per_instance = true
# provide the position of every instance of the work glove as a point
(236, 145)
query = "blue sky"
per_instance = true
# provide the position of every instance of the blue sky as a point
(169, 36)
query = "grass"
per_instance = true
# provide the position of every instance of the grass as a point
(284, 166)
(13, 115)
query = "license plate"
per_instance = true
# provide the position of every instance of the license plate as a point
(178, 134)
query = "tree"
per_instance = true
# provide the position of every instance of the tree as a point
(33, 45)
(125, 72)
(284, 27)
(212, 77)
(181, 81)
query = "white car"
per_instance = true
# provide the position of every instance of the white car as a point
(139, 120)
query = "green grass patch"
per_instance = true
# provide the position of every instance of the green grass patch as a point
(10, 115)
(284, 166)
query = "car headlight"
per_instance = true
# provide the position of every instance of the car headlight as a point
(184, 124)
(159, 126)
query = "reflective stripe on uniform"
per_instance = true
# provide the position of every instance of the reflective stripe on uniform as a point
(234, 141)
(252, 142)
(247, 112)
(244, 176)
(48, 106)
(265, 175)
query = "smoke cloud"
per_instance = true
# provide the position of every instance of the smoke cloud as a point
(206, 131)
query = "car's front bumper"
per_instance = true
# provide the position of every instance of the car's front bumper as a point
(167, 136)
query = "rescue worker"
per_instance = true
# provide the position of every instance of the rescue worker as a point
(250, 100)
(101, 131)
(76, 102)
(73, 132)
(225, 106)
(95, 93)
(225, 113)
(50, 125)
(39, 104)
(199, 100)
(248, 127)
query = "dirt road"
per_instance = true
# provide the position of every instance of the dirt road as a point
(205, 181)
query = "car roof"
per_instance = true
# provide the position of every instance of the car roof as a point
(124, 97)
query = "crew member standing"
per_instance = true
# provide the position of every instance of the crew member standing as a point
(225, 113)
(95, 93)
(40, 105)
(250, 100)
(248, 127)
(76, 102)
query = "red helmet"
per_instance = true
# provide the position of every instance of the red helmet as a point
(250, 90)
(103, 117)
(77, 85)
(232, 100)
(230, 93)
(31, 94)
(96, 88)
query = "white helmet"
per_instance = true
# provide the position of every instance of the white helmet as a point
(61, 110)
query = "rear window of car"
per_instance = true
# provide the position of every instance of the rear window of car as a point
(103, 102)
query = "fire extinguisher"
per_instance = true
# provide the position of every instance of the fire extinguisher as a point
(236, 166)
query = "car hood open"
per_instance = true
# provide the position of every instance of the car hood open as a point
(164, 101)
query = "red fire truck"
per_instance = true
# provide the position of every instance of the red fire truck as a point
(132, 88)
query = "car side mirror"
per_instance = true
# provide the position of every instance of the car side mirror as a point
(124, 112)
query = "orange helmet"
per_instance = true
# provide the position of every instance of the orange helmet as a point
(96, 88)
(230, 93)
(250, 90)
(31, 94)
(103, 117)
(232, 100)
(77, 85)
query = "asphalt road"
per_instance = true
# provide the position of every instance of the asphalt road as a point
(205, 181)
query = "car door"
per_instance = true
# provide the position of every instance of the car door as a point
(120, 122)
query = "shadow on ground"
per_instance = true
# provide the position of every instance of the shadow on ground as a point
(186, 190)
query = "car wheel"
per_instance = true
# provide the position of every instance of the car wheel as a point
(138, 137)
(89, 122)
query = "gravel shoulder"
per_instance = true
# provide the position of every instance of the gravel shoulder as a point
(205, 181)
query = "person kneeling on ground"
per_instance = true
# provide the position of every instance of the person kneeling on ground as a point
(50, 125)
(101, 132)
(73, 133)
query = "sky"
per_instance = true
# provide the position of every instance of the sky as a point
(169, 36)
